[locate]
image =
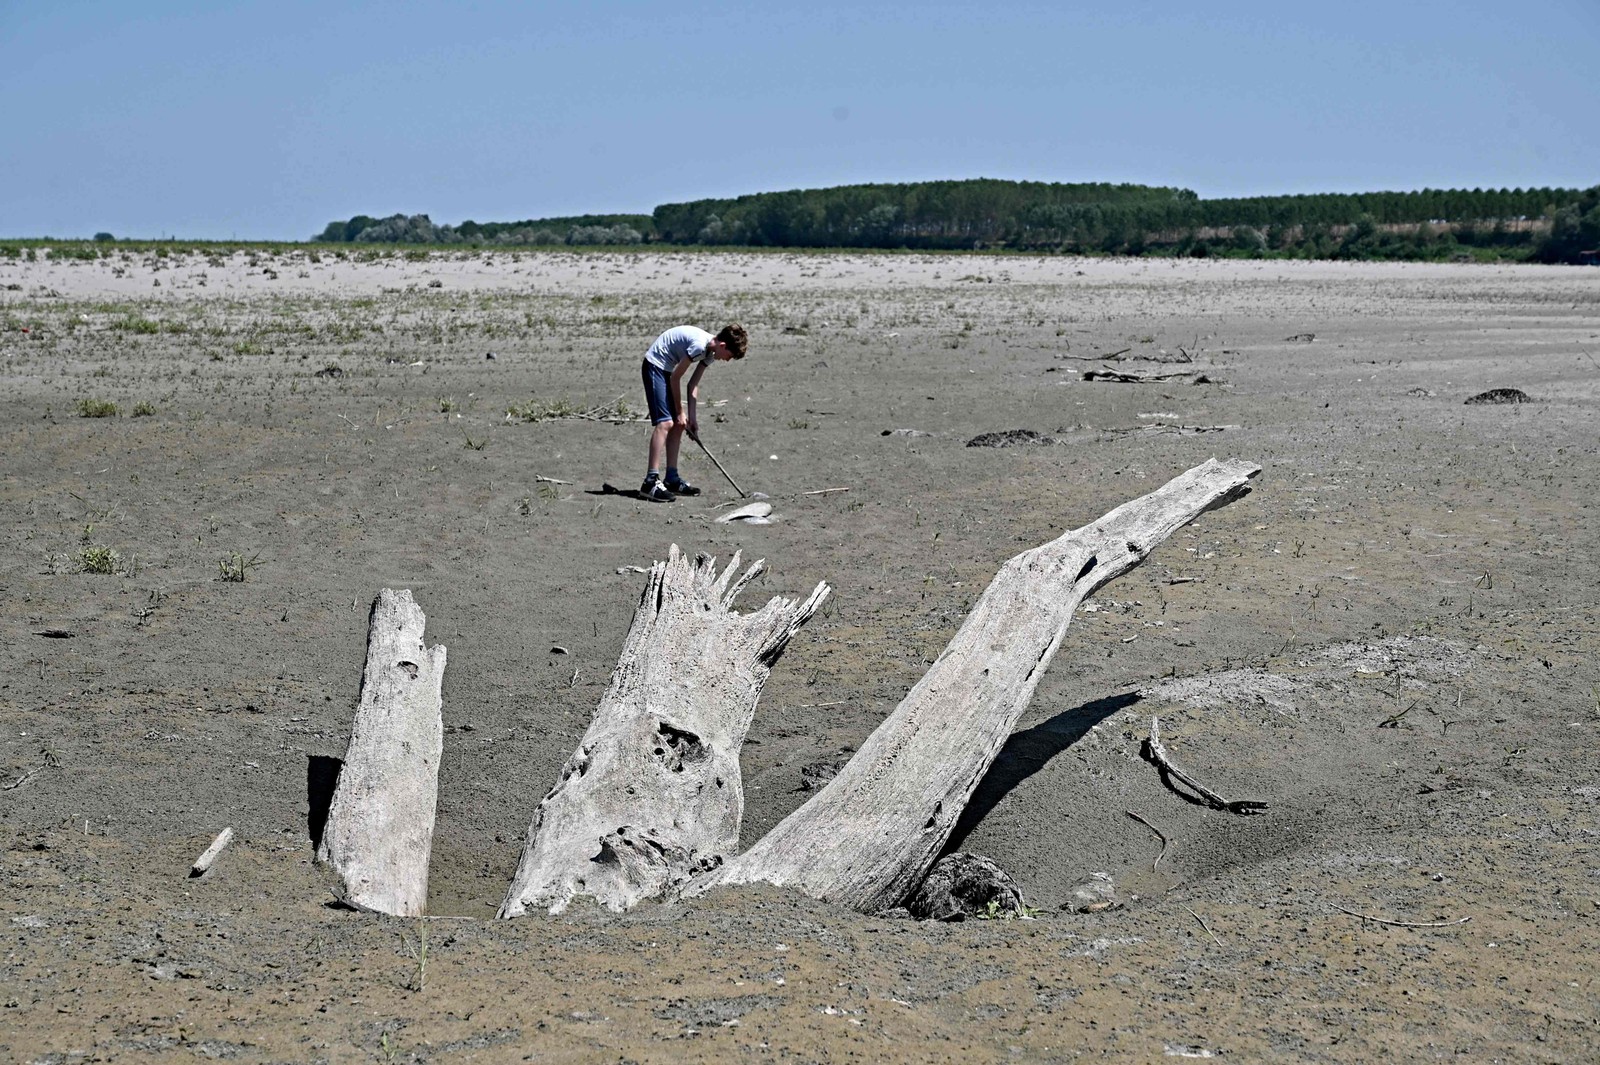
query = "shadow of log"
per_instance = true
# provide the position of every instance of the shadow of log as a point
(1027, 752)
(322, 776)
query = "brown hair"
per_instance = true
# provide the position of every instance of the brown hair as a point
(734, 336)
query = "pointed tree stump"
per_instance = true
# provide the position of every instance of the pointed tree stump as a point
(379, 832)
(870, 835)
(653, 794)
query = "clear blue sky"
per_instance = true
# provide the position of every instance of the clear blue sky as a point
(268, 120)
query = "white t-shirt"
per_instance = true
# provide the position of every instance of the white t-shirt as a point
(679, 343)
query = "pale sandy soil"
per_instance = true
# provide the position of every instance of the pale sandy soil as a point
(1405, 559)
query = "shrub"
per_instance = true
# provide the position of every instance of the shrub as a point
(96, 408)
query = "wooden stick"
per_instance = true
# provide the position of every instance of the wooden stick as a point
(1159, 834)
(1403, 924)
(1169, 772)
(696, 438)
(202, 864)
(824, 491)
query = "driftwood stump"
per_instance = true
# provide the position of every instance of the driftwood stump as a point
(653, 794)
(871, 834)
(379, 832)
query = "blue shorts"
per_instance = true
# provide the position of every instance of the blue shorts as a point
(655, 392)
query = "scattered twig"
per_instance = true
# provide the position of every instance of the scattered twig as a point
(203, 863)
(1182, 580)
(1162, 836)
(1153, 751)
(1207, 927)
(1394, 722)
(23, 779)
(1153, 428)
(549, 480)
(1146, 377)
(1403, 924)
(824, 491)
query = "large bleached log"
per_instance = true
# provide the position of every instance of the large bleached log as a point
(869, 837)
(653, 793)
(379, 833)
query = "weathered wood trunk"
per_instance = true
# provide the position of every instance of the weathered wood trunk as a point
(868, 837)
(379, 833)
(653, 794)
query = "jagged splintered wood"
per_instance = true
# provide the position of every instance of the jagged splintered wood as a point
(379, 832)
(869, 837)
(653, 794)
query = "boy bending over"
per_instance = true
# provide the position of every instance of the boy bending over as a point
(665, 365)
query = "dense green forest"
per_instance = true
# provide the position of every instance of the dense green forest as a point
(1549, 224)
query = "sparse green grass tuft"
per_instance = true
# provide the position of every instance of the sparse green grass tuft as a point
(236, 566)
(135, 323)
(143, 409)
(96, 408)
(97, 558)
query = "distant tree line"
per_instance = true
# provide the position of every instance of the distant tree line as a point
(420, 229)
(1551, 224)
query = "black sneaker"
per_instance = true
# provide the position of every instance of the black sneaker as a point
(682, 488)
(656, 492)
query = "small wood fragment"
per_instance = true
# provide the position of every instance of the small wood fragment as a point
(824, 491)
(202, 864)
(755, 513)
(1156, 753)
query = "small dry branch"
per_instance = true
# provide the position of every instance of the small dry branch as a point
(1403, 924)
(1162, 836)
(1207, 927)
(1156, 753)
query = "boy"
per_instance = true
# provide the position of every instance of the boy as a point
(665, 365)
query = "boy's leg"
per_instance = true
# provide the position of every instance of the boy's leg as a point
(660, 448)
(674, 445)
(675, 482)
(655, 396)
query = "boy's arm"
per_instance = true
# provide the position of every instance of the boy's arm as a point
(694, 396)
(675, 393)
